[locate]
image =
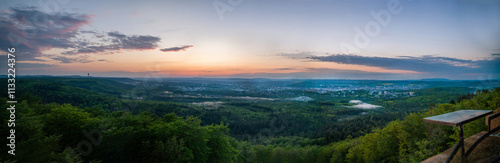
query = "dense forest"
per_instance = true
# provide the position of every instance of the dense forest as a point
(89, 120)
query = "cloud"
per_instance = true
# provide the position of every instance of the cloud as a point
(496, 54)
(76, 59)
(33, 32)
(426, 64)
(113, 42)
(285, 69)
(96, 34)
(103, 60)
(138, 42)
(296, 55)
(176, 49)
(117, 35)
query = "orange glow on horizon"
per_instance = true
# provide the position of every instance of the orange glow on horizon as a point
(213, 63)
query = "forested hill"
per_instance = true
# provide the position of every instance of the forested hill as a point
(259, 119)
(413, 140)
(114, 86)
(55, 118)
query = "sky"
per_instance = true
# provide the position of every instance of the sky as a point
(298, 39)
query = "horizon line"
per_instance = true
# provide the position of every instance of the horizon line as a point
(81, 76)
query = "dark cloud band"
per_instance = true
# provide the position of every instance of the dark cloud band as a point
(425, 64)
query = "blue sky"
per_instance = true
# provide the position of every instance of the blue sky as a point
(256, 38)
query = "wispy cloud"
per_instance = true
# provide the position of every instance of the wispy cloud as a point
(176, 49)
(297, 55)
(103, 60)
(76, 59)
(285, 68)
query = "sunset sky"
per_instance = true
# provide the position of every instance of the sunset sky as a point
(329, 39)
